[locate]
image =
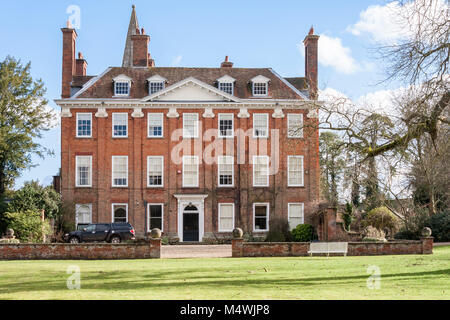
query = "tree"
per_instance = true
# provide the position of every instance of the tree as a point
(35, 198)
(23, 117)
(332, 164)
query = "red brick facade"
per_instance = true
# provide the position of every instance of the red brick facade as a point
(99, 101)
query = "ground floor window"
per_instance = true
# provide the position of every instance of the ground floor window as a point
(296, 214)
(261, 217)
(120, 213)
(226, 217)
(155, 217)
(83, 214)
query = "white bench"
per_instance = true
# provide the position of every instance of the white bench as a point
(328, 247)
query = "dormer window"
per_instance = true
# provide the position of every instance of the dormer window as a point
(156, 84)
(226, 84)
(260, 86)
(122, 85)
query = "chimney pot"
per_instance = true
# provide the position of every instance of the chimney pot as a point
(227, 63)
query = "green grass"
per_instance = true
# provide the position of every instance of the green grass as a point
(402, 277)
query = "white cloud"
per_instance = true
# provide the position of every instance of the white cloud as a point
(386, 24)
(332, 53)
(176, 62)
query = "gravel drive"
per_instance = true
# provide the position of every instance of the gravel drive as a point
(195, 251)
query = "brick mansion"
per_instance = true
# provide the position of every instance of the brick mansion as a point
(195, 152)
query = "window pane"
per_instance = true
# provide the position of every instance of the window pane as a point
(190, 171)
(155, 87)
(261, 125)
(120, 171)
(84, 214)
(120, 213)
(84, 125)
(155, 125)
(296, 216)
(226, 170)
(295, 126)
(120, 124)
(84, 171)
(295, 171)
(261, 171)
(156, 217)
(226, 87)
(226, 125)
(260, 89)
(122, 88)
(261, 218)
(190, 128)
(155, 171)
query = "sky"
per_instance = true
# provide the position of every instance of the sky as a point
(200, 33)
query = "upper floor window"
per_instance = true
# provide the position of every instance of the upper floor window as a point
(190, 171)
(155, 172)
(226, 125)
(295, 125)
(155, 125)
(84, 125)
(226, 171)
(120, 125)
(83, 171)
(190, 125)
(122, 85)
(156, 84)
(295, 171)
(120, 171)
(261, 125)
(226, 84)
(260, 171)
(260, 86)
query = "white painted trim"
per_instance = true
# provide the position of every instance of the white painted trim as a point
(260, 79)
(77, 206)
(148, 125)
(122, 78)
(112, 125)
(112, 211)
(185, 133)
(76, 172)
(268, 173)
(218, 173)
(296, 204)
(220, 216)
(198, 171)
(183, 202)
(288, 128)
(92, 126)
(148, 215)
(303, 171)
(116, 82)
(267, 127)
(260, 95)
(226, 79)
(221, 115)
(268, 216)
(148, 171)
(156, 78)
(113, 159)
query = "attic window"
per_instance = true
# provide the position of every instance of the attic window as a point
(122, 85)
(260, 86)
(156, 84)
(226, 84)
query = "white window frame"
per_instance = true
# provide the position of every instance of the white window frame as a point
(301, 134)
(266, 115)
(77, 206)
(162, 126)
(112, 211)
(161, 83)
(149, 229)
(122, 94)
(254, 171)
(221, 116)
(267, 205)
(187, 134)
(148, 171)
(289, 171)
(289, 213)
(114, 115)
(76, 172)
(221, 83)
(220, 216)
(184, 172)
(112, 172)
(78, 133)
(219, 172)
(258, 94)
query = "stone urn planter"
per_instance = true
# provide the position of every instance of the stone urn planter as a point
(238, 233)
(426, 232)
(156, 234)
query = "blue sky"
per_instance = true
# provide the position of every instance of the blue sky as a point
(199, 33)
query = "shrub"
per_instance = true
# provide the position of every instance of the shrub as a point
(372, 234)
(440, 226)
(303, 233)
(382, 219)
(28, 226)
(279, 231)
(407, 235)
(348, 216)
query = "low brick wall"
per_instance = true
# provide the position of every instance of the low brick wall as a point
(101, 251)
(264, 249)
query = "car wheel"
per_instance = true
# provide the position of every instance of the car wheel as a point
(116, 240)
(74, 240)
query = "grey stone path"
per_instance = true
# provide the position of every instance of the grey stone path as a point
(195, 251)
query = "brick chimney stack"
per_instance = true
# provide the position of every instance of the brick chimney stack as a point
(68, 63)
(227, 63)
(312, 62)
(81, 65)
(140, 48)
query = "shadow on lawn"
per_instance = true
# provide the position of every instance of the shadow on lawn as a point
(179, 280)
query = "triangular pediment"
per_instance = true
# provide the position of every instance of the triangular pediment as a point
(191, 89)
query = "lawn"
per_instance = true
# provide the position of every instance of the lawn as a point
(402, 277)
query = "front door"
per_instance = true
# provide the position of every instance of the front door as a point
(191, 229)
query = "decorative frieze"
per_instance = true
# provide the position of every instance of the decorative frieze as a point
(278, 114)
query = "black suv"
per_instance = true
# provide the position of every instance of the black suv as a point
(110, 232)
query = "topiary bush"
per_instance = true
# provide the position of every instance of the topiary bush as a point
(382, 219)
(303, 233)
(279, 231)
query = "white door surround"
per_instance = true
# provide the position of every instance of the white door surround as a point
(186, 200)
